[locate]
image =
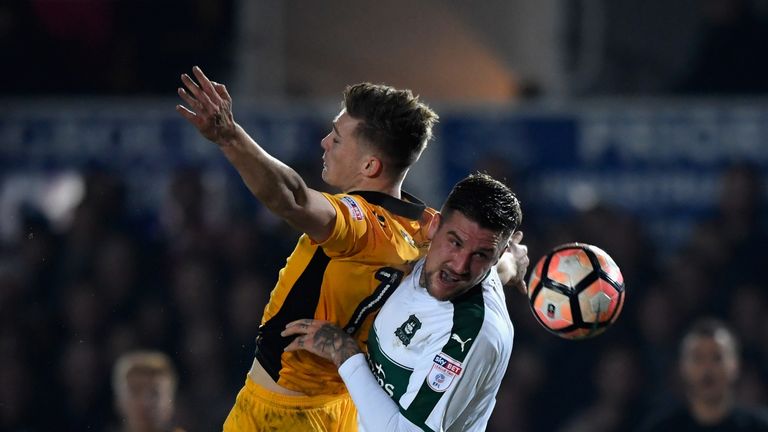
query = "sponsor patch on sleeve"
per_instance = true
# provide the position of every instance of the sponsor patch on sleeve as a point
(354, 208)
(444, 371)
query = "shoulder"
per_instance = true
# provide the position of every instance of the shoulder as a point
(669, 418)
(752, 418)
(483, 317)
(427, 216)
(497, 333)
(496, 322)
(353, 206)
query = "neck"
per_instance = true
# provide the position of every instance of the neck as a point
(377, 184)
(709, 412)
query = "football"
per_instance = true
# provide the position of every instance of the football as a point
(576, 291)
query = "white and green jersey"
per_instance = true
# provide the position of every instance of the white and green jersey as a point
(441, 362)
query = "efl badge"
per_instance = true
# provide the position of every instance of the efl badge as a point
(407, 329)
(444, 371)
(354, 209)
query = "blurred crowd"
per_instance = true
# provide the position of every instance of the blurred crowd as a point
(610, 47)
(101, 47)
(191, 282)
(617, 381)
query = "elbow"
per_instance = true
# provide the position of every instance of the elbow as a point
(287, 201)
(282, 204)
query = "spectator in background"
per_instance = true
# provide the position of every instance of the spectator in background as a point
(617, 378)
(741, 221)
(726, 249)
(110, 47)
(709, 367)
(83, 377)
(144, 386)
(18, 409)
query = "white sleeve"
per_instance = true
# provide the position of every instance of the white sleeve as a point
(468, 405)
(376, 410)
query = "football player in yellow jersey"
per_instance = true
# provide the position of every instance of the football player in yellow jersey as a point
(355, 249)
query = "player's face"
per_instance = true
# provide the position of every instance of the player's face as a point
(342, 153)
(461, 254)
(708, 366)
(146, 401)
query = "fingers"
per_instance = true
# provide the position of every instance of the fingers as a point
(221, 89)
(520, 253)
(517, 237)
(293, 330)
(521, 256)
(186, 113)
(206, 84)
(296, 344)
(522, 267)
(203, 102)
(522, 287)
(306, 322)
(298, 327)
(189, 100)
(191, 85)
(518, 250)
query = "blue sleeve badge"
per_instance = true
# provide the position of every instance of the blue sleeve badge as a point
(444, 371)
(354, 208)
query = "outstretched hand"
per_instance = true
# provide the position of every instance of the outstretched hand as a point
(210, 107)
(514, 264)
(321, 338)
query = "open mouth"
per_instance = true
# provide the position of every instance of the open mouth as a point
(447, 277)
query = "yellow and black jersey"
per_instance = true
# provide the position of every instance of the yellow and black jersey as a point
(344, 280)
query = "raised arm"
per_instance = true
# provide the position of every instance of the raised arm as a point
(275, 184)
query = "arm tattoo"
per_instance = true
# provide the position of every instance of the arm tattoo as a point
(332, 341)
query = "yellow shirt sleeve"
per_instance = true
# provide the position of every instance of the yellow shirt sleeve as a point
(350, 227)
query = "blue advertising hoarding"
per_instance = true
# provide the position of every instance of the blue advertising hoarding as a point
(659, 162)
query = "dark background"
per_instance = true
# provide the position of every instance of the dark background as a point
(123, 229)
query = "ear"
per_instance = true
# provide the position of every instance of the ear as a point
(434, 224)
(371, 166)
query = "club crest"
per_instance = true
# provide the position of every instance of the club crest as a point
(407, 329)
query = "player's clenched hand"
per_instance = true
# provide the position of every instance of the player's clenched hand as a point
(321, 338)
(210, 107)
(519, 260)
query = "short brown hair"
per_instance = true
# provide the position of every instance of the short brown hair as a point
(487, 201)
(150, 362)
(711, 328)
(394, 122)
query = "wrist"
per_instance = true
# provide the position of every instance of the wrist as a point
(347, 349)
(233, 140)
(342, 357)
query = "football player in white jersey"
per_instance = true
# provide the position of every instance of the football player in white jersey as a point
(440, 345)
